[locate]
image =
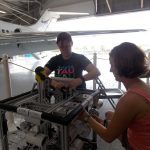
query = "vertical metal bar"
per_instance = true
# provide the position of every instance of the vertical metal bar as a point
(95, 63)
(147, 81)
(108, 5)
(64, 138)
(41, 91)
(119, 85)
(3, 131)
(28, 6)
(9, 115)
(142, 3)
(6, 75)
(94, 139)
(95, 3)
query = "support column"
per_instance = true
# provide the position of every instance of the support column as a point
(95, 63)
(3, 132)
(7, 81)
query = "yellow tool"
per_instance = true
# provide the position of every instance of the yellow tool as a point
(40, 76)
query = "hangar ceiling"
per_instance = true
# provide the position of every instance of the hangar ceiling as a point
(27, 12)
(21, 11)
(115, 6)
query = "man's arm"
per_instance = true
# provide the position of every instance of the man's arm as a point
(93, 72)
(50, 66)
(55, 84)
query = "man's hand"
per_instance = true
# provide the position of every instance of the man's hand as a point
(56, 84)
(74, 83)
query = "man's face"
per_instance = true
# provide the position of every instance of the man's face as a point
(65, 47)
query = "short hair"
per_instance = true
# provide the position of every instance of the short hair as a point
(129, 60)
(64, 36)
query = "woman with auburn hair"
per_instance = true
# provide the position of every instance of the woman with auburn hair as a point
(132, 112)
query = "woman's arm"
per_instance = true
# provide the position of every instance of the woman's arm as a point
(126, 110)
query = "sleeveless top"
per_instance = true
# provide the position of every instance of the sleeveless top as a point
(139, 129)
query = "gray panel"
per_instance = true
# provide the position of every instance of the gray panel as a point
(121, 5)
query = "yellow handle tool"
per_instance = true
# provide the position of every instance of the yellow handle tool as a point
(40, 76)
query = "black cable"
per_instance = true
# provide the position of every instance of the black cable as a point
(21, 66)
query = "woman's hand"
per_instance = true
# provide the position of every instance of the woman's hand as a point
(109, 115)
(83, 115)
(99, 120)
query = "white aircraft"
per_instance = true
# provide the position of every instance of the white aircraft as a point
(34, 38)
(42, 24)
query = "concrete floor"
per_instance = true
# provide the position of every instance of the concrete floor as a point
(22, 81)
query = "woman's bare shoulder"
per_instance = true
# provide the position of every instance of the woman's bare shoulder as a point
(130, 100)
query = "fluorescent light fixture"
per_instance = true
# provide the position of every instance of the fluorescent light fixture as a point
(72, 13)
(2, 12)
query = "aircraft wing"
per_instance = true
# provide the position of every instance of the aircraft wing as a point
(22, 43)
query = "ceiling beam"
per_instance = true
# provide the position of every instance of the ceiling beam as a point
(108, 5)
(19, 18)
(33, 1)
(17, 11)
(142, 3)
(3, 17)
(15, 5)
(117, 6)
